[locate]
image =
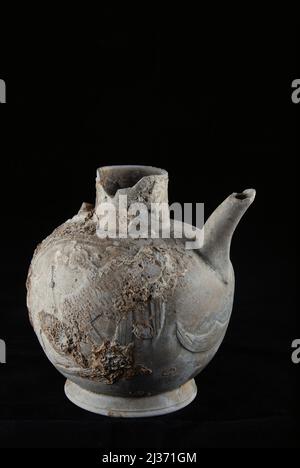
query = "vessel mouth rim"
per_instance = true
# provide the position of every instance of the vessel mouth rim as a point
(149, 170)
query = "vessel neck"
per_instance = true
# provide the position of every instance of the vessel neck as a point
(141, 184)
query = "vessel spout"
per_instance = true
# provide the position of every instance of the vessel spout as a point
(219, 228)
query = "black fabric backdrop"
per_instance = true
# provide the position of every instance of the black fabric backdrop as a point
(212, 105)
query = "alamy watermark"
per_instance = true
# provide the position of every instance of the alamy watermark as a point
(140, 220)
(2, 352)
(296, 93)
(296, 352)
(2, 92)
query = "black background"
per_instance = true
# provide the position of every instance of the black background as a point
(209, 102)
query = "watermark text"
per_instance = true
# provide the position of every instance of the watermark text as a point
(139, 220)
(2, 92)
(296, 93)
(296, 352)
(2, 352)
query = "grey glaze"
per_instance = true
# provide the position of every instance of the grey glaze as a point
(132, 318)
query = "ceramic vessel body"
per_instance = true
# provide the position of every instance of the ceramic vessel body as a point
(126, 317)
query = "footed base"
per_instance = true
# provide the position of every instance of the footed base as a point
(138, 407)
